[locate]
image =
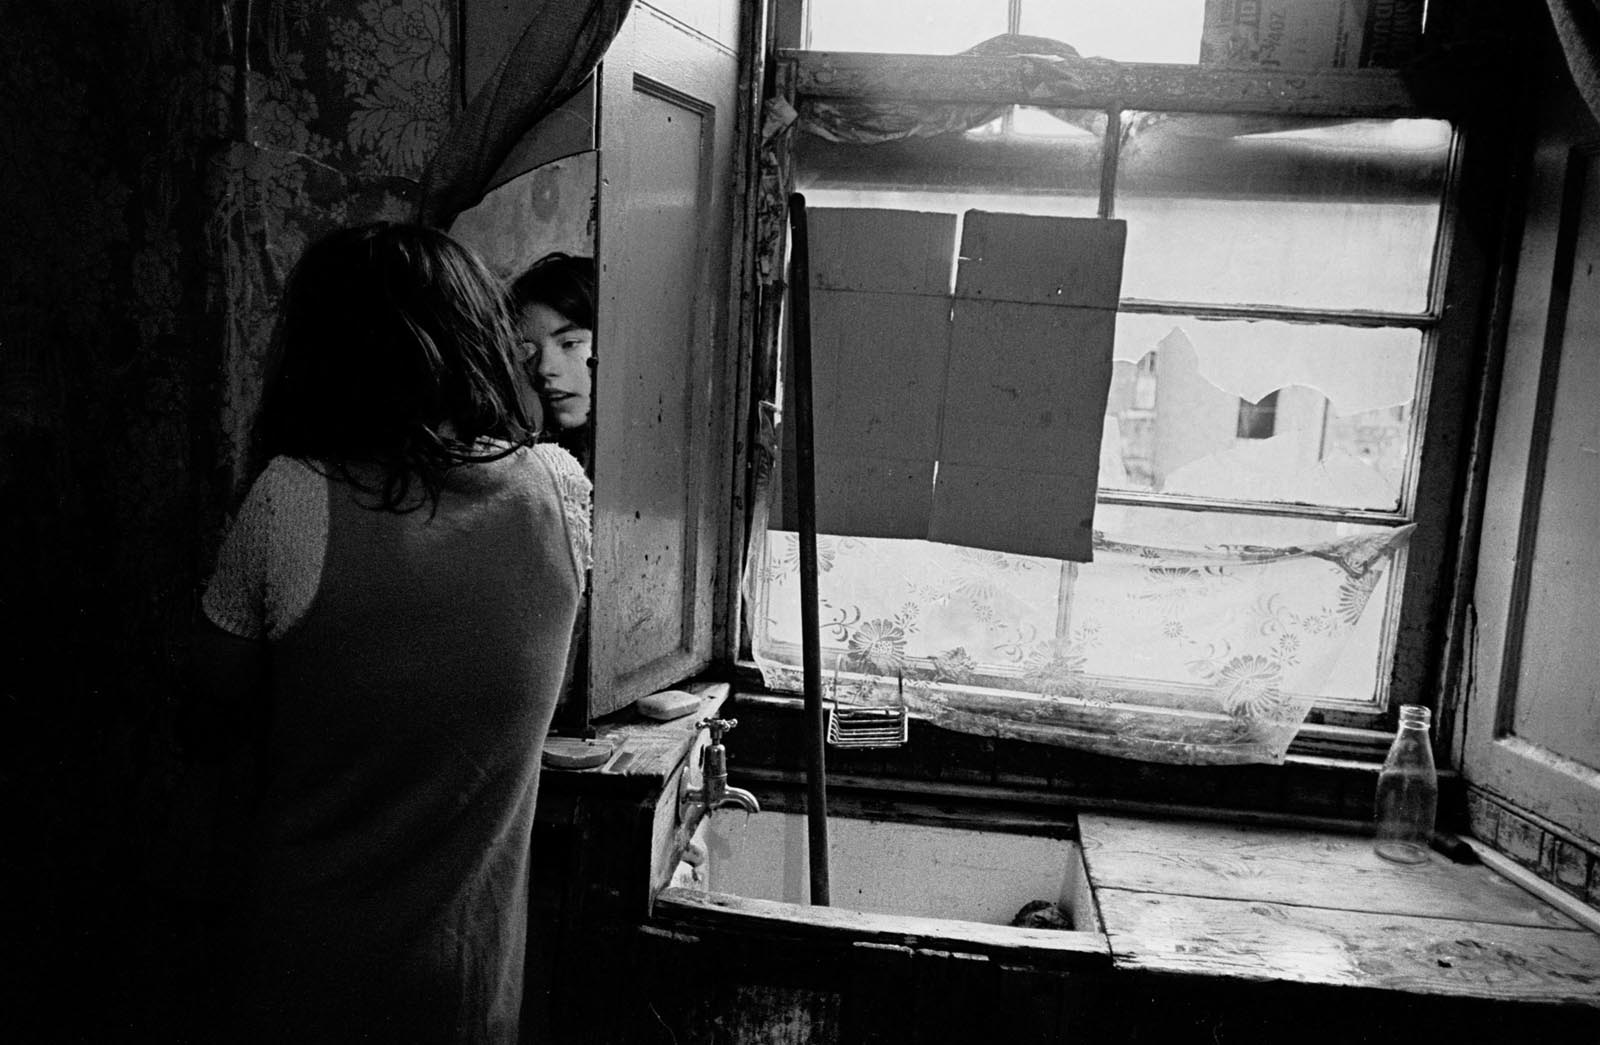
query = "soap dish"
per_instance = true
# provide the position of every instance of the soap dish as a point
(577, 752)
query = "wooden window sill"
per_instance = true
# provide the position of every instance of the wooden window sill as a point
(1328, 790)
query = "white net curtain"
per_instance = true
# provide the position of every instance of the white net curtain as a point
(1155, 651)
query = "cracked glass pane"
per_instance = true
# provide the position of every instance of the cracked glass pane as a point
(1274, 412)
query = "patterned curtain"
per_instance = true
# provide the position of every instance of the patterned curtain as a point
(1577, 24)
(563, 42)
(1156, 650)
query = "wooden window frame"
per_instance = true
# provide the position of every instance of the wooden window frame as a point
(1455, 321)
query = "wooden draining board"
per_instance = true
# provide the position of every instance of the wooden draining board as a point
(1312, 907)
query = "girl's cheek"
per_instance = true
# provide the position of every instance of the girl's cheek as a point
(533, 407)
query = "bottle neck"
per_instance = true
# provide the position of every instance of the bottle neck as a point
(1414, 717)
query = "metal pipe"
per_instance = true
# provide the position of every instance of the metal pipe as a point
(806, 496)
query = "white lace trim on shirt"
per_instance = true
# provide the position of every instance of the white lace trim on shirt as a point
(577, 503)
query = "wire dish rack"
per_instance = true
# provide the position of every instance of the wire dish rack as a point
(866, 725)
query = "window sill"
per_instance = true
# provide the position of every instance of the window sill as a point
(1331, 787)
(1355, 743)
(1315, 739)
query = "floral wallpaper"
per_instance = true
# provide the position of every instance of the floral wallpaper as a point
(165, 164)
(332, 118)
(396, 62)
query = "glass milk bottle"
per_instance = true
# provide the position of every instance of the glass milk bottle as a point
(1408, 791)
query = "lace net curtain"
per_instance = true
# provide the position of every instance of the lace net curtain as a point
(1184, 641)
(1155, 651)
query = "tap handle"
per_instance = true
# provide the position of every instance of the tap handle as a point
(718, 726)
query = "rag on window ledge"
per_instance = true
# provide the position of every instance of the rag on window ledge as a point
(1205, 654)
(865, 123)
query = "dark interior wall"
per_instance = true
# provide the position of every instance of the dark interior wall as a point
(164, 163)
(104, 470)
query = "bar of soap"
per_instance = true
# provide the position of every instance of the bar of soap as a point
(667, 705)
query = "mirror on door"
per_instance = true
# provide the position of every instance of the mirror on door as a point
(536, 231)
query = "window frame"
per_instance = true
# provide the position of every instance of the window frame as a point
(1453, 323)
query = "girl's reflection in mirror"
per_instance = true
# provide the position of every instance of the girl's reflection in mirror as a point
(554, 305)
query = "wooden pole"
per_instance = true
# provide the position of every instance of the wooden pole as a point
(806, 496)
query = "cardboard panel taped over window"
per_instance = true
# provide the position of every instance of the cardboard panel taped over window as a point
(1033, 327)
(973, 419)
(1027, 382)
(877, 372)
(880, 338)
(1048, 261)
(874, 496)
(1022, 423)
(1015, 510)
(895, 251)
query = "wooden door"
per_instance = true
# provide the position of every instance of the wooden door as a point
(1533, 712)
(663, 429)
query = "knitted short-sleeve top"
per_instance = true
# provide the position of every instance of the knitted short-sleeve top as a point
(270, 566)
(414, 662)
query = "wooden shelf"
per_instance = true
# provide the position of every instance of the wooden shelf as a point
(646, 753)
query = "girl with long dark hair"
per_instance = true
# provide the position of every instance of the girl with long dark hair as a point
(553, 306)
(388, 623)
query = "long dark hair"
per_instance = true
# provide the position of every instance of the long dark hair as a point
(394, 350)
(564, 282)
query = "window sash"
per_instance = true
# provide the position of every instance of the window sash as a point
(1348, 93)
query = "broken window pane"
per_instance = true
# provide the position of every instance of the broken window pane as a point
(1187, 413)
(1267, 210)
(1258, 420)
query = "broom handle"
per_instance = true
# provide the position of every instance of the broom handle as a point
(806, 491)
